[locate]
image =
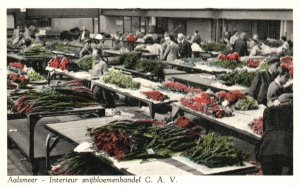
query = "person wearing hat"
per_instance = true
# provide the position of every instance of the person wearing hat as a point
(87, 48)
(260, 84)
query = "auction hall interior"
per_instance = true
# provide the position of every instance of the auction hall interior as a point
(149, 91)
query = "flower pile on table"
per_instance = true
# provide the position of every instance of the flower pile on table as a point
(127, 139)
(219, 104)
(37, 51)
(143, 139)
(237, 100)
(230, 61)
(214, 47)
(206, 103)
(215, 151)
(59, 63)
(257, 125)
(16, 66)
(155, 95)
(243, 78)
(54, 99)
(253, 63)
(35, 76)
(116, 77)
(130, 58)
(84, 163)
(178, 87)
(17, 78)
(287, 62)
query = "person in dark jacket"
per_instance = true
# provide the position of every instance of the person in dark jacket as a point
(260, 84)
(86, 49)
(277, 89)
(240, 45)
(275, 149)
(184, 47)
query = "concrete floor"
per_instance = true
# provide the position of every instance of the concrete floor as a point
(16, 163)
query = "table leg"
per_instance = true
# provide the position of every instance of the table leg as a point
(32, 120)
(152, 109)
(49, 147)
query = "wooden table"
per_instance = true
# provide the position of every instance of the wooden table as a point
(143, 54)
(206, 81)
(39, 62)
(149, 76)
(135, 94)
(32, 120)
(70, 55)
(197, 68)
(236, 125)
(75, 132)
(80, 75)
(22, 58)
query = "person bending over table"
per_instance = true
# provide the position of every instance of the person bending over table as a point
(260, 84)
(278, 92)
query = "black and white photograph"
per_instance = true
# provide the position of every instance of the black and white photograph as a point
(148, 96)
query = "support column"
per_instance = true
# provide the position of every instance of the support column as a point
(99, 13)
(217, 31)
(283, 27)
(93, 20)
(223, 29)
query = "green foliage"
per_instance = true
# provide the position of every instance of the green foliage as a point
(86, 62)
(121, 80)
(84, 164)
(35, 76)
(215, 151)
(247, 103)
(214, 47)
(38, 51)
(243, 78)
(130, 60)
(228, 64)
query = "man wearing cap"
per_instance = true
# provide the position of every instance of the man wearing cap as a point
(260, 84)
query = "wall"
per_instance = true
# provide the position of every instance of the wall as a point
(10, 22)
(61, 24)
(108, 24)
(202, 25)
